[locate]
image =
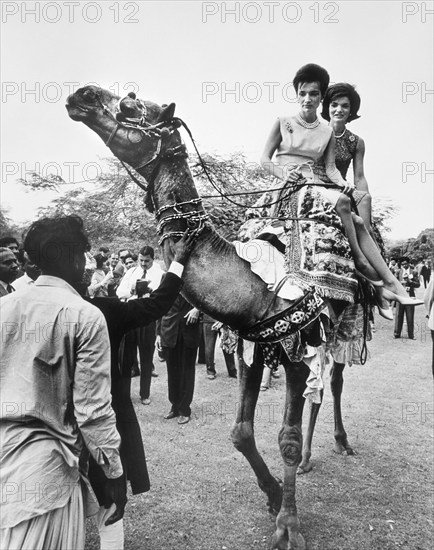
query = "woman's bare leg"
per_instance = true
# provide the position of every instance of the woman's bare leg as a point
(343, 209)
(372, 254)
(365, 212)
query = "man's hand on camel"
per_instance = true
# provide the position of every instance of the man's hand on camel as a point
(185, 245)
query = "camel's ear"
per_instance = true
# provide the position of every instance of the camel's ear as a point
(167, 112)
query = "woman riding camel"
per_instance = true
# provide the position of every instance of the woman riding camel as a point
(340, 106)
(299, 142)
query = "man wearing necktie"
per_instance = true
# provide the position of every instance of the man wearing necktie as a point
(8, 271)
(152, 274)
(410, 280)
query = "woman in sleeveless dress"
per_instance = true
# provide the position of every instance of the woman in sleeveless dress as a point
(300, 142)
(340, 106)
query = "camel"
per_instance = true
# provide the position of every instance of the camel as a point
(145, 136)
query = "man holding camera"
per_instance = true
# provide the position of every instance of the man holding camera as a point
(410, 280)
(150, 280)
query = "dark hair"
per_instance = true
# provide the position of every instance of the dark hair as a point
(147, 251)
(53, 243)
(312, 73)
(341, 89)
(100, 260)
(104, 250)
(4, 241)
(129, 255)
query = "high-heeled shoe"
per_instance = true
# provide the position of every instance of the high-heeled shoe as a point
(385, 313)
(403, 300)
(374, 283)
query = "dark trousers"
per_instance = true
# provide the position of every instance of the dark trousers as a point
(181, 370)
(426, 279)
(210, 337)
(146, 344)
(399, 319)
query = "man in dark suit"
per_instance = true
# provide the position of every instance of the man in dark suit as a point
(8, 271)
(410, 280)
(123, 317)
(178, 337)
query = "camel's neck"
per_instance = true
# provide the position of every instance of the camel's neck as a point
(216, 280)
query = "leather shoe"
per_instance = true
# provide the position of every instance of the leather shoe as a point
(183, 419)
(145, 401)
(233, 374)
(170, 415)
(154, 374)
(211, 376)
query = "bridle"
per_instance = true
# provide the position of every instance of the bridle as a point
(159, 132)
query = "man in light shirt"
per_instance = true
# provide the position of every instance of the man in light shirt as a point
(8, 271)
(152, 273)
(55, 398)
(31, 273)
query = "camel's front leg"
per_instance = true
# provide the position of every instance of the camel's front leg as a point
(336, 383)
(287, 535)
(306, 464)
(243, 433)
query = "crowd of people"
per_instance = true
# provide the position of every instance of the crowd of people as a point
(98, 314)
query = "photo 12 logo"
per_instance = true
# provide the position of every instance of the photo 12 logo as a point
(416, 91)
(415, 169)
(70, 12)
(53, 92)
(248, 92)
(416, 11)
(270, 12)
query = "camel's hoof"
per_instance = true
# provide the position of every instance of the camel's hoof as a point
(343, 449)
(304, 468)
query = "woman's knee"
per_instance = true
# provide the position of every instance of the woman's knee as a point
(343, 205)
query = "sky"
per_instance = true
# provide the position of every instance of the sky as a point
(228, 66)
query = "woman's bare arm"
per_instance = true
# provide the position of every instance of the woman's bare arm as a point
(358, 167)
(332, 172)
(270, 147)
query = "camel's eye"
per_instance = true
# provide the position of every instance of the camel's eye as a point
(89, 95)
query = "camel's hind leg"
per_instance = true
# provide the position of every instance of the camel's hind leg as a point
(243, 433)
(287, 535)
(336, 383)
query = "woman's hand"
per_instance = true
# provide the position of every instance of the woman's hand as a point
(192, 316)
(348, 188)
(293, 176)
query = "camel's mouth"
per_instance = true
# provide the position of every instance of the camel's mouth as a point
(75, 111)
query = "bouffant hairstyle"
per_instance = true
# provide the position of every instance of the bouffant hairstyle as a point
(341, 89)
(53, 243)
(312, 73)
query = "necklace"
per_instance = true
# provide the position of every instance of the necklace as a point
(337, 137)
(308, 125)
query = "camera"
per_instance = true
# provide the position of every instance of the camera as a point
(142, 288)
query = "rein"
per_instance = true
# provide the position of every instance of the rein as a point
(194, 218)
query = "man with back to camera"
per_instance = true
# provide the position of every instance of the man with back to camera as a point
(55, 394)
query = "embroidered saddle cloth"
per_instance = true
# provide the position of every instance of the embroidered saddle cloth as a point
(313, 253)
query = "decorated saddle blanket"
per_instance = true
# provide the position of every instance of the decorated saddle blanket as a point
(305, 243)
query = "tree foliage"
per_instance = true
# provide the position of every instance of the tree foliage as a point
(113, 207)
(420, 248)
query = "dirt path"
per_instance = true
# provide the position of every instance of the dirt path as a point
(205, 497)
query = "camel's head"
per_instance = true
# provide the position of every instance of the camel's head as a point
(133, 129)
